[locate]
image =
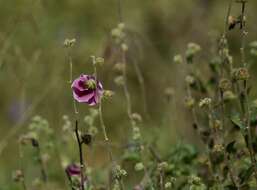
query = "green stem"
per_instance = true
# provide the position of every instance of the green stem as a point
(246, 98)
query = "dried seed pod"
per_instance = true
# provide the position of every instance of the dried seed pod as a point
(241, 74)
(86, 138)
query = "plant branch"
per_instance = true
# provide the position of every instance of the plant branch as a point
(80, 156)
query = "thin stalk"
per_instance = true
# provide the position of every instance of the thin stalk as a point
(41, 163)
(120, 10)
(249, 131)
(246, 98)
(142, 85)
(70, 61)
(23, 183)
(161, 180)
(196, 123)
(122, 186)
(125, 87)
(124, 73)
(100, 112)
(227, 161)
(227, 17)
(81, 160)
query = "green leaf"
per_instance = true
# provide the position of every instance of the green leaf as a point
(230, 148)
(246, 174)
(237, 121)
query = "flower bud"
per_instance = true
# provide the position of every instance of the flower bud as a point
(136, 134)
(167, 185)
(192, 50)
(136, 117)
(119, 80)
(69, 42)
(116, 32)
(178, 59)
(229, 95)
(121, 26)
(124, 47)
(218, 148)
(108, 94)
(169, 92)
(139, 166)
(18, 176)
(190, 79)
(224, 84)
(162, 166)
(189, 102)
(99, 60)
(205, 102)
(119, 67)
(194, 180)
(119, 172)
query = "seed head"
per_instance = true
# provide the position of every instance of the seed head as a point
(189, 102)
(178, 59)
(205, 102)
(241, 74)
(69, 42)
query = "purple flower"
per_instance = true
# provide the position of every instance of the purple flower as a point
(73, 170)
(87, 90)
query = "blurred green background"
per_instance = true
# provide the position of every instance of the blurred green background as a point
(34, 72)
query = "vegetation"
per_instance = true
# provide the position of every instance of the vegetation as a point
(124, 108)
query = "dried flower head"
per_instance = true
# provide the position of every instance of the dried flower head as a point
(119, 80)
(192, 50)
(190, 79)
(241, 74)
(18, 175)
(136, 117)
(218, 148)
(69, 42)
(205, 102)
(119, 172)
(119, 67)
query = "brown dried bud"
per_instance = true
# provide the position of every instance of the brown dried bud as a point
(18, 176)
(232, 21)
(87, 139)
(241, 74)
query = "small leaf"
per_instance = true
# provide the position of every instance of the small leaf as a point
(237, 122)
(230, 147)
(231, 187)
(246, 174)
